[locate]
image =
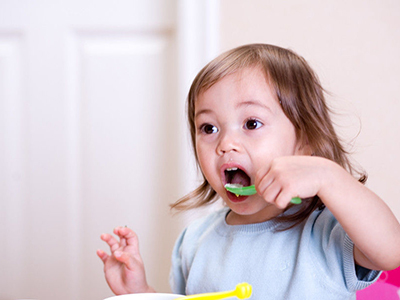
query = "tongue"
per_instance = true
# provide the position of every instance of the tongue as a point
(241, 178)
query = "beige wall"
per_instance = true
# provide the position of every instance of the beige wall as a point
(355, 48)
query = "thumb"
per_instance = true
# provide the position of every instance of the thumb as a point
(103, 256)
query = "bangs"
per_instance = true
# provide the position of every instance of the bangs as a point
(224, 65)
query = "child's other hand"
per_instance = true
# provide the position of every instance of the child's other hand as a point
(291, 176)
(123, 268)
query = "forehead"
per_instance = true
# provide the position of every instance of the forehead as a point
(250, 84)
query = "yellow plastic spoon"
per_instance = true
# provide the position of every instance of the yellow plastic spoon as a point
(242, 291)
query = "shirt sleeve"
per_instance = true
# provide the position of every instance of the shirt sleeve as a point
(357, 277)
(176, 278)
(334, 255)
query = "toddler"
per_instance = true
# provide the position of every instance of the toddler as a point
(258, 115)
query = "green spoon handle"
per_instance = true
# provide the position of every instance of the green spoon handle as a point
(251, 190)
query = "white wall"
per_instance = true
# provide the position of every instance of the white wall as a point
(354, 46)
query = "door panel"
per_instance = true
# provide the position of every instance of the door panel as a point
(12, 161)
(88, 104)
(124, 121)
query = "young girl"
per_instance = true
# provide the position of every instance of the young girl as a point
(258, 115)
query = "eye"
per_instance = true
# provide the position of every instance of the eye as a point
(208, 129)
(252, 124)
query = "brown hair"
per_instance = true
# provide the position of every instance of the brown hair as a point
(301, 95)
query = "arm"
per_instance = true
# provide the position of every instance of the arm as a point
(367, 220)
(124, 269)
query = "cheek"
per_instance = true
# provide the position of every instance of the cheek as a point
(204, 147)
(199, 151)
(287, 143)
(201, 156)
(268, 149)
(206, 162)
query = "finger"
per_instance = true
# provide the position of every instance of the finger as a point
(111, 241)
(271, 192)
(283, 199)
(263, 177)
(103, 256)
(129, 236)
(122, 240)
(263, 183)
(125, 258)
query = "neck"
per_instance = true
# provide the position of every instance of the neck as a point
(267, 214)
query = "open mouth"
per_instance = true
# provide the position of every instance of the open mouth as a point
(237, 176)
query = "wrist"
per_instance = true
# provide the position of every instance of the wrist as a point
(333, 180)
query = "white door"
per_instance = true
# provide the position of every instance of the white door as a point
(89, 140)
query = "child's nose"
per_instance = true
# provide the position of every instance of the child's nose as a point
(228, 142)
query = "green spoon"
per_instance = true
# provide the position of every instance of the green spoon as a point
(240, 190)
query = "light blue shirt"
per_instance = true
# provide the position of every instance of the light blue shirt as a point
(313, 260)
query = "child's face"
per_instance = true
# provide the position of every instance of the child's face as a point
(240, 124)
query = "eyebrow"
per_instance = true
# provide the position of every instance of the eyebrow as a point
(241, 104)
(254, 103)
(203, 111)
